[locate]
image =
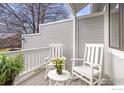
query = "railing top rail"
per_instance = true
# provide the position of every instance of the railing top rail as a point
(26, 50)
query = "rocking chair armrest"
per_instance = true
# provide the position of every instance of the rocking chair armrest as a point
(63, 56)
(77, 59)
(47, 59)
(93, 66)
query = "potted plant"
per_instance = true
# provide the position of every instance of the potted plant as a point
(59, 63)
(10, 67)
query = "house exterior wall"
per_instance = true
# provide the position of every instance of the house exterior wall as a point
(55, 32)
(114, 39)
(60, 33)
(116, 66)
(31, 41)
(91, 30)
(114, 58)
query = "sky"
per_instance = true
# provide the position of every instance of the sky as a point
(84, 11)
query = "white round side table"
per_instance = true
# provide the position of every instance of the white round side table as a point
(52, 75)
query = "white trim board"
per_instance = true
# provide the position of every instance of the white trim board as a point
(56, 22)
(72, 10)
(71, 19)
(28, 35)
(117, 53)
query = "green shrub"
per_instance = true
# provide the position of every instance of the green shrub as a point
(10, 67)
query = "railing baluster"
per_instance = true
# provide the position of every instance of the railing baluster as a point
(37, 56)
(24, 62)
(40, 57)
(33, 53)
(25, 58)
(33, 58)
(28, 60)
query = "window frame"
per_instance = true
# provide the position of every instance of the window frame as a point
(120, 30)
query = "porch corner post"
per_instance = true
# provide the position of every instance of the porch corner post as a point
(107, 63)
(74, 42)
(74, 37)
(73, 12)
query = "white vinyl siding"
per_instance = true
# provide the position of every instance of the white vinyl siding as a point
(91, 30)
(55, 32)
(59, 33)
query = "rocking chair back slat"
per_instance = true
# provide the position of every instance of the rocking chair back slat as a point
(101, 54)
(59, 51)
(52, 51)
(96, 55)
(85, 53)
(88, 53)
(56, 50)
(93, 53)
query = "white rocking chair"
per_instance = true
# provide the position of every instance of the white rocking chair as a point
(90, 71)
(55, 50)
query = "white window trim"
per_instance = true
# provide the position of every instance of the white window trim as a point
(117, 53)
(33, 34)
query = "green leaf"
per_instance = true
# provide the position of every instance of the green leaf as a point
(10, 67)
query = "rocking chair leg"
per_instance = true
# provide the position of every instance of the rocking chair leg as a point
(91, 81)
(72, 74)
(46, 72)
(73, 77)
(46, 77)
(99, 80)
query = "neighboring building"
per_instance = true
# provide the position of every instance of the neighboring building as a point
(10, 40)
(3, 28)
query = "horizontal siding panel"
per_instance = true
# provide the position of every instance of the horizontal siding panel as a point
(91, 30)
(59, 33)
(54, 33)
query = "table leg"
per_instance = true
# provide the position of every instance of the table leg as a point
(50, 83)
(56, 83)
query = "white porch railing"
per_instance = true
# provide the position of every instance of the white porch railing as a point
(33, 58)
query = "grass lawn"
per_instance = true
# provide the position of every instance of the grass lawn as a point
(4, 49)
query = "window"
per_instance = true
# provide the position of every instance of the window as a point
(116, 29)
